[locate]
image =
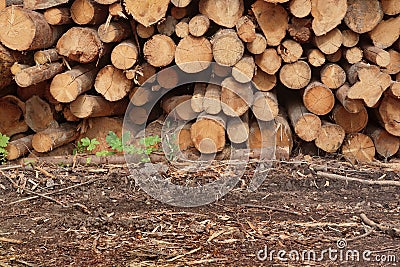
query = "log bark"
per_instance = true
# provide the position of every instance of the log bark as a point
(386, 33)
(42, 4)
(193, 54)
(389, 114)
(198, 25)
(88, 12)
(318, 98)
(358, 148)
(377, 55)
(350, 122)
(295, 75)
(212, 99)
(37, 74)
(58, 16)
(300, 8)
(351, 105)
(330, 42)
(6, 3)
(269, 61)
(386, 144)
(146, 12)
(265, 106)
(330, 137)
(12, 113)
(327, 15)
(333, 76)
(197, 101)
(363, 15)
(124, 55)
(52, 138)
(112, 83)
(159, 51)
(225, 13)
(19, 147)
(89, 106)
(46, 56)
(40, 89)
(258, 45)
(179, 107)
(227, 48)
(114, 31)
(264, 81)
(236, 97)
(290, 51)
(315, 57)
(39, 115)
(238, 129)
(243, 71)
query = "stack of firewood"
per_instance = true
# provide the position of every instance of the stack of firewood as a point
(322, 71)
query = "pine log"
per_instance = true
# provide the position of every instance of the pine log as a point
(327, 15)
(330, 137)
(58, 16)
(269, 61)
(274, 29)
(315, 57)
(159, 51)
(246, 29)
(333, 76)
(168, 78)
(389, 114)
(386, 33)
(16, 67)
(39, 73)
(182, 28)
(145, 32)
(353, 55)
(318, 98)
(330, 42)
(300, 8)
(290, 51)
(112, 83)
(350, 38)
(167, 26)
(386, 144)
(88, 12)
(237, 128)
(225, 13)
(300, 30)
(243, 71)
(42, 4)
(19, 147)
(257, 46)
(350, 122)
(227, 47)
(46, 56)
(335, 57)
(7, 60)
(114, 31)
(264, 81)
(12, 112)
(295, 75)
(124, 55)
(193, 54)
(358, 148)
(265, 106)
(146, 12)
(179, 107)
(52, 138)
(39, 114)
(283, 137)
(198, 25)
(89, 106)
(394, 65)
(390, 7)
(212, 99)
(363, 15)
(140, 96)
(197, 101)
(394, 89)
(81, 44)
(351, 105)
(67, 86)
(236, 97)
(377, 55)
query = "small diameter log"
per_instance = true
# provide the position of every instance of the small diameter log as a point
(58, 16)
(7, 61)
(143, 73)
(333, 76)
(145, 32)
(318, 98)
(124, 55)
(236, 97)
(39, 115)
(283, 137)
(351, 105)
(88, 12)
(353, 55)
(363, 15)
(327, 15)
(264, 81)
(167, 26)
(389, 114)
(335, 57)
(257, 46)
(394, 89)
(358, 148)
(394, 65)
(159, 51)
(390, 7)
(168, 78)
(16, 67)
(41, 89)
(42, 4)
(12, 112)
(330, 137)
(377, 55)
(246, 29)
(261, 137)
(140, 96)
(243, 71)
(116, 10)
(46, 56)
(212, 99)
(221, 71)
(274, 29)
(179, 107)
(182, 29)
(138, 115)
(208, 133)
(105, 2)
(179, 12)
(237, 129)
(181, 3)
(227, 47)
(36, 74)
(315, 57)
(112, 83)
(19, 147)
(80, 44)
(300, 8)
(386, 144)
(300, 30)
(330, 42)
(269, 61)
(67, 86)
(350, 38)
(265, 106)
(295, 75)
(22, 29)
(350, 122)
(225, 13)
(198, 25)
(146, 12)
(290, 51)
(193, 54)
(386, 33)
(114, 31)
(89, 106)
(197, 101)
(52, 138)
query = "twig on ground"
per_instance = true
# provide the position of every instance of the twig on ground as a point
(184, 254)
(363, 181)
(271, 208)
(205, 261)
(10, 240)
(391, 230)
(10, 167)
(46, 173)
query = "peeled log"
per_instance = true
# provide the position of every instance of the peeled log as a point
(363, 15)
(89, 106)
(318, 98)
(19, 147)
(358, 148)
(386, 144)
(147, 12)
(112, 83)
(236, 97)
(193, 54)
(39, 115)
(350, 122)
(327, 15)
(225, 13)
(330, 137)
(12, 112)
(37, 74)
(52, 138)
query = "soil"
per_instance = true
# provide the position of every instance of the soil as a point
(102, 218)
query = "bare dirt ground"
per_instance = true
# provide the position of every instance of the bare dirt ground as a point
(97, 216)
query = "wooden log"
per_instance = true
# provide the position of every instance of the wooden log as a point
(42, 4)
(46, 56)
(236, 97)
(327, 15)
(198, 25)
(283, 137)
(264, 81)
(212, 99)
(221, 71)
(394, 66)
(389, 114)
(145, 32)
(88, 12)
(261, 137)
(52, 138)
(22, 29)
(385, 144)
(7, 61)
(225, 13)
(168, 78)
(16, 67)
(181, 3)
(290, 51)
(363, 15)
(182, 29)
(386, 33)
(333, 76)
(246, 30)
(295, 75)
(274, 30)
(300, 30)
(81, 44)
(318, 98)
(143, 73)
(138, 115)
(227, 48)
(39, 73)
(335, 57)
(140, 96)
(89, 106)
(350, 38)
(146, 12)
(12, 112)
(330, 42)
(300, 8)
(6, 3)
(159, 51)
(39, 115)
(193, 54)
(257, 46)
(243, 71)
(377, 55)
(350, 122)
(330, 137)
(112, 83)
(269, 61)
(179, 107)
(238, 129)
(58, 16)
(167, 26)
(358, 148)
(179, 12)
(265, 106)
(116, 10)
(394, 89)
(315, 57)
(105, 2)
(351, 105)
(124, 55)
(198, 97)
(41, 89)
(114, 31)
(67, 86)
(390, 7)
(353, 55)
(19, 147)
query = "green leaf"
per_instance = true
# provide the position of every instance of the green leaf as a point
(114, 141)
(4, 140)
(85, 141)
(104, 153)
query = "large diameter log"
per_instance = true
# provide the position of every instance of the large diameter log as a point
(37, 74)
(318, 98)
(193, 54)
(351, 105)
(12, 112)
(159, 51)
(295, 75)
(112, 83)
(386, 32)
(88, 12)
(39, 115)
(89, 106)
(114, 31)
(81, 44)
(269, 61)
(225, 13)
(179, 107)
(386, 144)
(227, 47)
(350, 122)
(19, 147)
(265, 106)
(363, 15)
(197, 101)
(389, 114)
(147, 12)
(330, 42)
(273, 29)
(42, 4)
(237, 129)
(52, 138)
(333, 76)
(236, 97)
(22, 29)
(67, 86)
(327, 15)
(58, 16)
(330, 137)
(358, 148)
(124, 55)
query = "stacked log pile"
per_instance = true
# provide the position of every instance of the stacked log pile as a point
(325, 72)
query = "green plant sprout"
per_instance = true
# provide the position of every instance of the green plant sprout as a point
(4, 139)
(86, 144)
